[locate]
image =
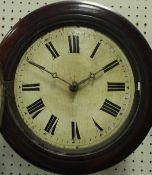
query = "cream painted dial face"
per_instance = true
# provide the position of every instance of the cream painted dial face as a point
(100, 96)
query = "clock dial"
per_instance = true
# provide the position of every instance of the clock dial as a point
(74, 88)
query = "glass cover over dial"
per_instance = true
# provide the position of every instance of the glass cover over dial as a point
(74, 88)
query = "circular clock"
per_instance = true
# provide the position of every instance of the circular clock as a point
(78, 87)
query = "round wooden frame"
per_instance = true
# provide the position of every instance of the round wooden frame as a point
(126, 35)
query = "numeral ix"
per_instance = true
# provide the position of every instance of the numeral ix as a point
(31, 87)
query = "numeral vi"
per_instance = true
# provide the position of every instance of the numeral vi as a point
(75, 131)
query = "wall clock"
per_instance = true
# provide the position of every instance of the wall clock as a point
(77, 84)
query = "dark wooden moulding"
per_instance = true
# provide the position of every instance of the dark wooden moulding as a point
(130, 40)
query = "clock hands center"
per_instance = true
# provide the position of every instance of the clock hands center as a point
(53, 74)
(75, 86)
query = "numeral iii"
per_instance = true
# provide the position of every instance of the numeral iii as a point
(116, 86)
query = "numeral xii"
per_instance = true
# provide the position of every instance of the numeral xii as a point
(74, 44)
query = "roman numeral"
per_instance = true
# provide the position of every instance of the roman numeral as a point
(110, 108)
(97, 125)
(116, 86)
(51, 125)
(74, 44)
(75, 131)
(95, 50)
(31, 87)
(36, 107)
(111, 65)
(52, 50)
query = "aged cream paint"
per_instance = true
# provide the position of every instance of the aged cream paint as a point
(84, 105)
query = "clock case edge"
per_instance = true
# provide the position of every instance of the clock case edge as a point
(32, 20)
(2, 93)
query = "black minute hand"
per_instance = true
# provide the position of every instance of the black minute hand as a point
(54, 75)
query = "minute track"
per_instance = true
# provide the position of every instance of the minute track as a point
(70, 126)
